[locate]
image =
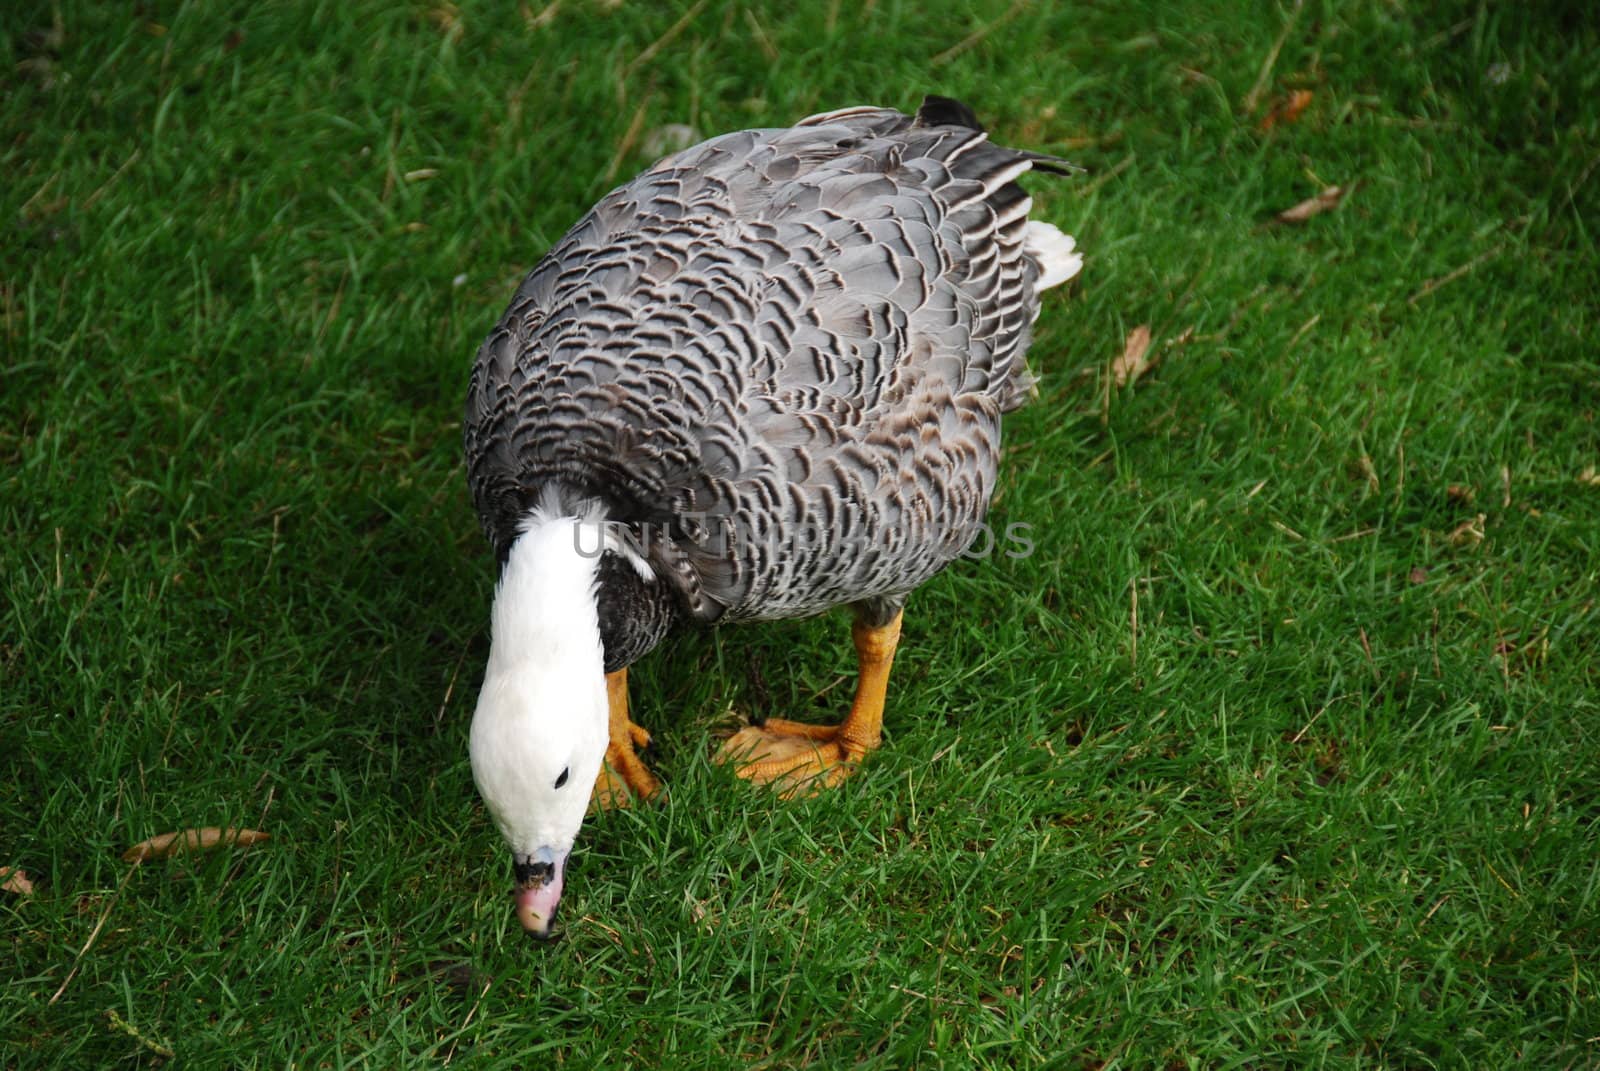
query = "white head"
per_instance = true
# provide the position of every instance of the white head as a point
(540, 729)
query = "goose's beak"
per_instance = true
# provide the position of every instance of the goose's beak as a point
(540, 878)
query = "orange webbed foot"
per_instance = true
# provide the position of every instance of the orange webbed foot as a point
(798, 758)
(624, 778)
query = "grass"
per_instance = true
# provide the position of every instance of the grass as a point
(1279, 750)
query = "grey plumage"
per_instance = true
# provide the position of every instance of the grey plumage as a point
(778, 360)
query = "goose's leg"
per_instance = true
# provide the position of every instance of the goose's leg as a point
(624, 775)
(797, 757)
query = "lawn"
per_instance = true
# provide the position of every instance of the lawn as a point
(1281, 748)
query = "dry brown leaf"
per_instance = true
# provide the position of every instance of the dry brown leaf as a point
(697, 908)
(1468, 533)
(170, 844)
(1132, 364)
(15, 880)
(1287, 111)
(1325, 201)
(1588, 476)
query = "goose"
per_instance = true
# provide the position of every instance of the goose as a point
(763, 379)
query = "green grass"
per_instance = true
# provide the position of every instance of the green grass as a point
(1328, 801)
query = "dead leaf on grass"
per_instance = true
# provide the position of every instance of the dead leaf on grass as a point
(1588, 476)
(1468, 533)
(1132, 364)
(1288, 110)
(699, 911)
(170, 844)
(15, 880)
(1325, 201)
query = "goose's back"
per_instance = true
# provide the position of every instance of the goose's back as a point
(780, 357)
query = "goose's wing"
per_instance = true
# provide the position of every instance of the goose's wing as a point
(780, 356)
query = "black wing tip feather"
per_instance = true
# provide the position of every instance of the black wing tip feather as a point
(947, 111)
(1054, 165)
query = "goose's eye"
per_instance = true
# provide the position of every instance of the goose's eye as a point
(563, 778)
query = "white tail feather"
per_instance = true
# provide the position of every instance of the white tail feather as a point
(1054, 252)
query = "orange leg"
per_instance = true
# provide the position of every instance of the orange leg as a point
(624, 775)
(797, 757)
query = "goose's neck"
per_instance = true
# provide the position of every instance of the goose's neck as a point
(542, 715)
(545, 610)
